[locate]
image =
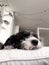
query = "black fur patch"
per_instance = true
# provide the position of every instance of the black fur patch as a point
(15, 40)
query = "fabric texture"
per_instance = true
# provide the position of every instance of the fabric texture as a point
(25, 57)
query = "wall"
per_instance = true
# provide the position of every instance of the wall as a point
(31, 14)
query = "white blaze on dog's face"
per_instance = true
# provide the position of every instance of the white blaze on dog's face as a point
(31, 43)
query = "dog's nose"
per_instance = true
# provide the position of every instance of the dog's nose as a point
(34, 42)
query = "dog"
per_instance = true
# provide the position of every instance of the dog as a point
(23, 40)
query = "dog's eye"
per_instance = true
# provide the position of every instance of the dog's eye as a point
(35, 35)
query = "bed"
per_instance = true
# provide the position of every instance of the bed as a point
(25, 57)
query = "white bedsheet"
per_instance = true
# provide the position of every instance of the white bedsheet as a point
(16, 54)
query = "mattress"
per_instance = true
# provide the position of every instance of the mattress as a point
(25, 57)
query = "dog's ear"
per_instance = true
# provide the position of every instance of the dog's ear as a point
(22, 34)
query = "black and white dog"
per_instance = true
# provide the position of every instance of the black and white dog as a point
(23, 40)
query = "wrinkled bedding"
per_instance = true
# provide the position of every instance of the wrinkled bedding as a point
(25, 57)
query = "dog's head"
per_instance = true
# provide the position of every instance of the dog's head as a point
(29, 40)
(23, 40)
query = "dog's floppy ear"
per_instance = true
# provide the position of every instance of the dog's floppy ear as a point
(22, 34)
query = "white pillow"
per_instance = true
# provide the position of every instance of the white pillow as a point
(16, 54)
